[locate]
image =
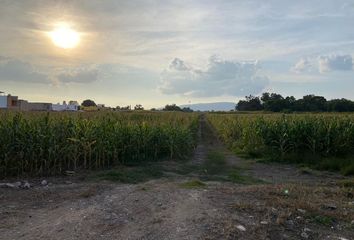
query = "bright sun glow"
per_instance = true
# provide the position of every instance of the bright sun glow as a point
(65, 37)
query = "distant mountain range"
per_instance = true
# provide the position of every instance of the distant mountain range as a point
(215, 106)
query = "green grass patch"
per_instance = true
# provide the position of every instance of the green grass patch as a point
(216, 168)
(322, 219)
(347, 170)
(130, 174)
(307, 162)
(235, 176)
(215, 163)
(343, 165)
(185, 169)
(306, 170)
(193, 184)
(348, 183)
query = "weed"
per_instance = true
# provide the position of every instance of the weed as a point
(130, 175)
(348, 170)
(235, 176)
(348, 183)
(193, 184)
(306, 170)
(186, 168)
(215, 163)
(322, 219)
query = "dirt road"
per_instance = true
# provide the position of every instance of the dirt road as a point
(214, 195)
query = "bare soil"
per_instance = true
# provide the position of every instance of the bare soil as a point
(284, 203)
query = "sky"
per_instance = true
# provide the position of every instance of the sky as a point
(161, 52)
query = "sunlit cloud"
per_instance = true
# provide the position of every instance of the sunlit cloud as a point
(335, 62)
(324, 63)
(219, 78)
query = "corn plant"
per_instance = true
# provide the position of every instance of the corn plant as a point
(51, 143)
(329, 135)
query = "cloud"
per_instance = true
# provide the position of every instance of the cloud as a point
(335, 62)
(303, 65)
(324, 63)
(178, 64)
(16, 70)
(80, 75)
(220, 78)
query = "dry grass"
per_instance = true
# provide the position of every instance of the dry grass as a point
(90, 192)
(321, 203)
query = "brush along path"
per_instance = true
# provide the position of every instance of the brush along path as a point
(213, 196)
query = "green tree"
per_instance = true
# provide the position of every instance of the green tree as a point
(277, 103)
(88, 103)
(138, 107)
(251, 103)
(311, 103)
(172, 107)
(340, 105)
(187, 109)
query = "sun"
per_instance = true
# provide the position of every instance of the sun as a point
(65, 37)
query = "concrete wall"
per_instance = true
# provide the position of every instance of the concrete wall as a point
(64, 107)
(3, 101)
(28, 106)
(12, 102)
(40, 106)
(23, 105)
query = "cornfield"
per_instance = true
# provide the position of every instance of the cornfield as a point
(293, 137)
(51, 143)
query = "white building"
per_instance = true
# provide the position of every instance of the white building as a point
(73, 106)
(8, 101)
(3, 100)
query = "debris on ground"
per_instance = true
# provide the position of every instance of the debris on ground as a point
(44, 182)
(69, 173)
(241, 228)
(26, 185)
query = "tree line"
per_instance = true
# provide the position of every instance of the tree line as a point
(139, 107)
(310, 103)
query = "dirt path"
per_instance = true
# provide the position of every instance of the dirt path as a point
(235, 199)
